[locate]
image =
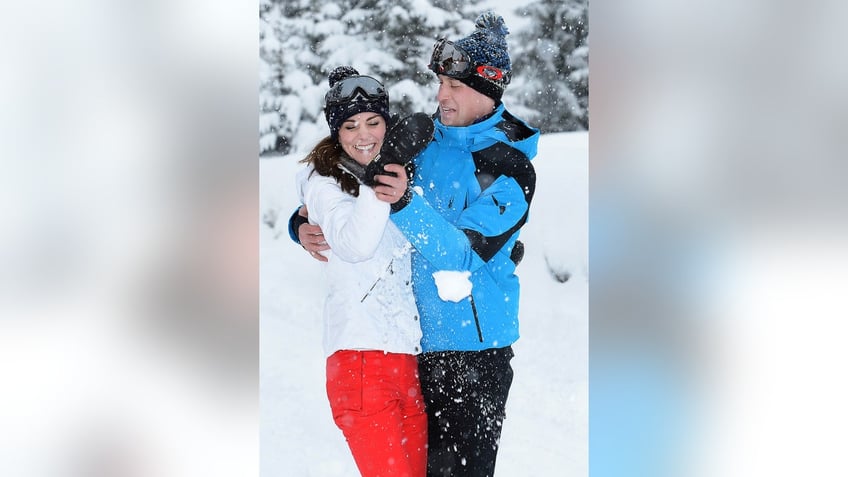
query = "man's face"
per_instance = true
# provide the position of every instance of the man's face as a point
(460, 104)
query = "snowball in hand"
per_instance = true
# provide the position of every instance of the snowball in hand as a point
(453, 286)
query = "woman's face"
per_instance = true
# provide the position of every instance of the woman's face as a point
(361, 136)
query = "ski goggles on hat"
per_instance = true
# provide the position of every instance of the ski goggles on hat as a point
(451, 60)
(356, 88)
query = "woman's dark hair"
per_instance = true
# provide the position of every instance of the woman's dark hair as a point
(324, 158)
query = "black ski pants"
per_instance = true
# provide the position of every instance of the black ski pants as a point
(465, 394)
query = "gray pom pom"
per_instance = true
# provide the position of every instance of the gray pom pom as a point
(492, 21)
(342, 72)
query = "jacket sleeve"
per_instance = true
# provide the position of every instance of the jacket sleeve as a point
(491, 220)
(352, 228)
(507, 182)
(481, 231)
(437, 240)
(295, 221)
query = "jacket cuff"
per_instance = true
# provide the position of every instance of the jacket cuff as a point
(403, 202)
(295, 221)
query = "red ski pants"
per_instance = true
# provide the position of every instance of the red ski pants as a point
(376, 402)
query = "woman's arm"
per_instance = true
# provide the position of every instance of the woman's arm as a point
(352, 228)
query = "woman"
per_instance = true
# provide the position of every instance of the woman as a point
(371, 331)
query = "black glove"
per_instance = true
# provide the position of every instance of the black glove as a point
(517, 253)
(404, 140)
(352, 167)
(403, 201)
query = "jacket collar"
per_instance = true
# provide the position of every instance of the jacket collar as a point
(473, 137)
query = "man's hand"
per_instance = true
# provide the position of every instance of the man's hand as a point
(393, 189)
(312, 238)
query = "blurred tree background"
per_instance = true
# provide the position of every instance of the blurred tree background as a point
(301, 41)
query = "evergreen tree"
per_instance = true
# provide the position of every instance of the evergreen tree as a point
(551, 60)
(289, 71)
(301, 41)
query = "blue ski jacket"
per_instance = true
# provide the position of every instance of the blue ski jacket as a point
(472, 191)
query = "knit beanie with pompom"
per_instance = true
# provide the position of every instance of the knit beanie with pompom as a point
(337, 112)
(487, 47)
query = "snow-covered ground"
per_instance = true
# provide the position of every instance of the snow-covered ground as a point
(546, 431)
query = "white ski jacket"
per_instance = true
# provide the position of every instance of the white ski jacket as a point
(369, 303)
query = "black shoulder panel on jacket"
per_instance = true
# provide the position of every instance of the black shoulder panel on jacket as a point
(501, 160)
(514, 129)
(487, 247)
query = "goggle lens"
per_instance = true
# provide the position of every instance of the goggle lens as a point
(349, 89)
(450, 60)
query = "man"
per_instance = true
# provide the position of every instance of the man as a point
(473, 187)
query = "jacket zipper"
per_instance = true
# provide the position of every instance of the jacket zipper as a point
(407, 247)
(476, 318)
(388, 270)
